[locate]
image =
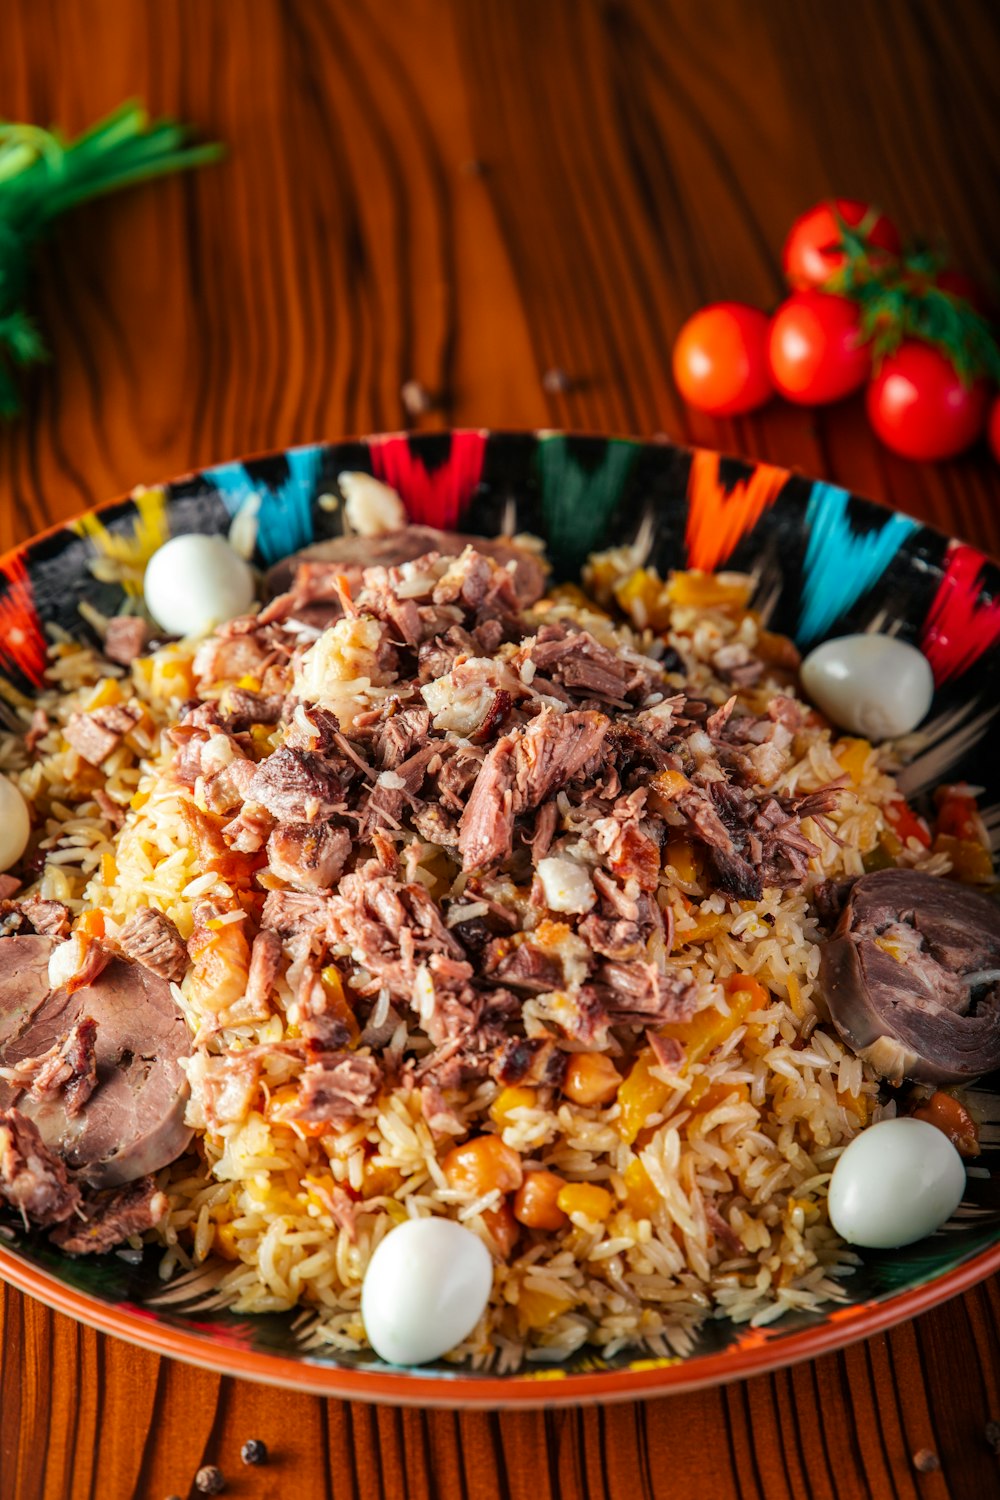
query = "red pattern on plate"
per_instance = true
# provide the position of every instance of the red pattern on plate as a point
(439, 496)
(22, 641)
(960, 626)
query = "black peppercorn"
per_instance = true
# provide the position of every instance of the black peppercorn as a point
(254, 1451)
(210, 1480)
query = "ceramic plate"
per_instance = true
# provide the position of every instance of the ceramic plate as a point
(827, 563)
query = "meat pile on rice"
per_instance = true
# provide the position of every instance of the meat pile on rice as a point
(431, 857)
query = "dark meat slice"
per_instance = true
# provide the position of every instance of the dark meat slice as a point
(638, 994)
(496, 716)
(309, 856)
(32, 1178)
(529, 968)
(552, 749)
(69, 1067)
(133, 1122)
(927, 1004)
(531, 1060)
(486, 828)
(230, 786)
(51, 918)
(392, 548)
(394, 789)
(265, 964)
(111, 1217)
(125, 639)
(297, 786)
(241, 708)
(336, 1088)
(97, 734)
(151, 938)
(399, 735)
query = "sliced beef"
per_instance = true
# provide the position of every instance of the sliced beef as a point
(33, 1179)
(309, 856)
(912, 976)
(110, 1217)
(125, 638)
(152, 939)
(336, 1088)
(133, 1121)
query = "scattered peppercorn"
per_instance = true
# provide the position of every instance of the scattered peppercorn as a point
(210, 1480)
(555, 382)
(925, 1461)
(993, 1436)
(416, 398)
(254, 1451)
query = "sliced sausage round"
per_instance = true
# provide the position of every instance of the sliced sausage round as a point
(911, 976)
(133, 1121)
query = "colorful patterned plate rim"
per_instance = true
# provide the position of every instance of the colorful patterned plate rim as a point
(826, 563)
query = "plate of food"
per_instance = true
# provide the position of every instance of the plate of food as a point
(498, 918)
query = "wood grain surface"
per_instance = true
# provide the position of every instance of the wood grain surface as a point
(470, 195)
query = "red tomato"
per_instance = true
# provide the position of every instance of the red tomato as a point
(812, 250)
(919, 407)
(720, 360)
(993, 429)
(814, 351)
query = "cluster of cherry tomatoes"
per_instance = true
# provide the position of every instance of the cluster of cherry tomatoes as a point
(730, 358)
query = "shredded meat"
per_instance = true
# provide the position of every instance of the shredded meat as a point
(336, 1088)
(110, 1217)
(151, 938)
(265, 965)
(69, 1068)
(296, 786)
(32, 1179)
(49, 917)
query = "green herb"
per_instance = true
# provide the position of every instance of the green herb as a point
(898, 299)
(43, 176)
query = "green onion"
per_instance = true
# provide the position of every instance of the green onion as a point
(43, 176)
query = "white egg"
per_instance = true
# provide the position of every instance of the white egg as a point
(194, 583)
(567, 884)
(15, 824)
(897, 1181)
(426, 1287)
(872, 685)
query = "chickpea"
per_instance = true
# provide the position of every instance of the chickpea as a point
(591, 1078)
(480, 1165)
(535, 1201)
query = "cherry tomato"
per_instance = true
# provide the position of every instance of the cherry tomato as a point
(812, 250)
(720, 359)
(993, 429)
(919, 407)
(814, 351)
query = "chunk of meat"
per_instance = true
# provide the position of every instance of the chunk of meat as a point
(152, 939)
(51, 918)
(553, 749)
(297, 786)
(336, 1088)
(398, 736)
(638, 994)
(309, 856)
(486, 828)
(133, 1122)
(111, 1217)
(229, 786)
(912, 976)
(229, 1087)
(125, 639)
(97, 735)
(32, 1178)
(531, 1060)
(394, 789)
(530, 968)
(265, 965)
(69, 1067)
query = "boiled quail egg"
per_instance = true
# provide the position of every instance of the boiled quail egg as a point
(194, 583)
(426, 1287)
(898, 1181)
(15, 824)
(873, 685)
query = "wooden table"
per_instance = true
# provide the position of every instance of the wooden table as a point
(469, 195)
